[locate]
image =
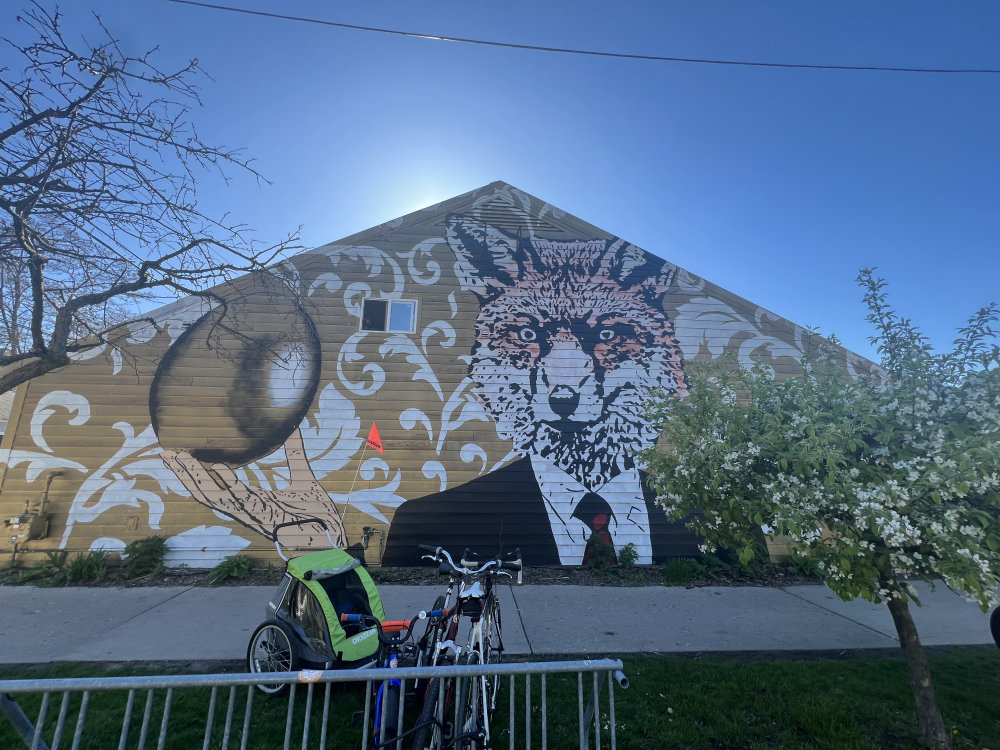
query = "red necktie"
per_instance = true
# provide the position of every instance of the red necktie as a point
(594, 511)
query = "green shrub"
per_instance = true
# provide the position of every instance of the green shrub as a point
(50, 571)
(628, 556)
(9, 575)
(710, 567)
(92, 566)
(31, 575)
(754, 569)
(802, 565)
(600, 554)
(144, 557)
(233, 566)
(678, 571)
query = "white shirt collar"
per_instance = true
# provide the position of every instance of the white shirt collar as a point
(565, 491)
(623, 493)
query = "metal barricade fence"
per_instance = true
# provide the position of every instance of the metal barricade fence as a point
(93, 713)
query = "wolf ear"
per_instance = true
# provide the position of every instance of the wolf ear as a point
(490, 259)
(638, 271)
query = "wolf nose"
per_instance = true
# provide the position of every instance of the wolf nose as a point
(564, 400)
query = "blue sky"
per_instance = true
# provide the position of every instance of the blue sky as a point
(776, 184)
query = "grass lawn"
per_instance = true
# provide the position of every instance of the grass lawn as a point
(850, 703)
(673, 702)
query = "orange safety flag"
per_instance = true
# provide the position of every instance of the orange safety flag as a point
(374, 439)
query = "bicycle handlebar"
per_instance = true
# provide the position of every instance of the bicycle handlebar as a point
(402, 628)
(465, 568)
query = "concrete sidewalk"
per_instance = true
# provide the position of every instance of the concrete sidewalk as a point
(43, 625)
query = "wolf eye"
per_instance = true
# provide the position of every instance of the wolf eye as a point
(527, 334)
(607, 334)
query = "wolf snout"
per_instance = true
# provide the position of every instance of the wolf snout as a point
(563, 400)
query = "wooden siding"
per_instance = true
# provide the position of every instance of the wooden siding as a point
(92, 421)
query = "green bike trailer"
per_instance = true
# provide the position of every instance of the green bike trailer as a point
(303, 628)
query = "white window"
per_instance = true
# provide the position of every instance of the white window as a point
(397, 315)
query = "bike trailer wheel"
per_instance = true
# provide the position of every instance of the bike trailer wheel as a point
(272, 649)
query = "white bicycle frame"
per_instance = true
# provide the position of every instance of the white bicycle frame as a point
(481, 632)
(482, 629)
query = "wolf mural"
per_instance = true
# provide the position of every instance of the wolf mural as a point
(570, 337)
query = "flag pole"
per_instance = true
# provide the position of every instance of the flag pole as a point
(375, 441)
(364, 447)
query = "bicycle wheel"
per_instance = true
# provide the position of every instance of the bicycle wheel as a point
(389, 706)
(433, 729)
(425, 655)
(427, 732)
(272, 649)
(493, 650)
(470, 729)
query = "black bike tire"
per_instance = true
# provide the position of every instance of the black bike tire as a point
(468, 690)
(390, 710)
(422, 730)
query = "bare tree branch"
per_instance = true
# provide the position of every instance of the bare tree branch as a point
(99, 165)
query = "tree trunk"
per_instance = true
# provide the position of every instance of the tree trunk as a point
(931, 726)
(12, 375)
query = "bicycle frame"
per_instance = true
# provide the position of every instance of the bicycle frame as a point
(481, 606)
(381, 699)
(473, 699)
(393, 638)
(436, 635)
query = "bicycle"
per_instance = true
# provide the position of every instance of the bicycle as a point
(472, 700)
(394, 649)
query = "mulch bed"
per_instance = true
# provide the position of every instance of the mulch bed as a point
(647, 575)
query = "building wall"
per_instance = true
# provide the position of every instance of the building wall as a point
(226, 425)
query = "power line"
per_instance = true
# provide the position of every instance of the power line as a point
(593, 53)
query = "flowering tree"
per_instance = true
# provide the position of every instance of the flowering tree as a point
(879, 480)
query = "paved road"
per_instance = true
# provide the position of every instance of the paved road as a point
(42, 625)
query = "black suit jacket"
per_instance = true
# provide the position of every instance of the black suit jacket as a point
(501, 511)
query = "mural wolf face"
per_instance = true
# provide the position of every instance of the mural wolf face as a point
(570, 337)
